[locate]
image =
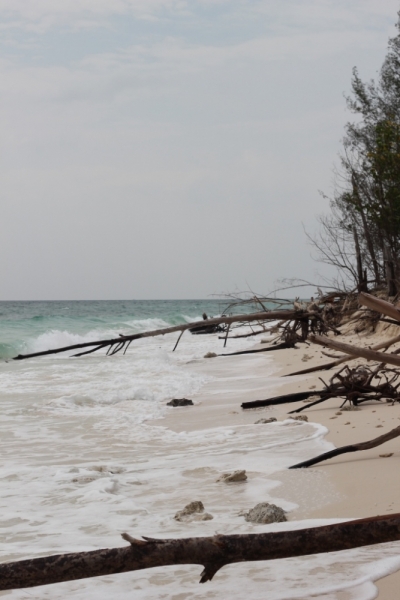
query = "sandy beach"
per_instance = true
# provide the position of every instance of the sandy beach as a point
(350, 486)
(91, 450)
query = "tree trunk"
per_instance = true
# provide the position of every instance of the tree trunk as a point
(379, 305)
(380, 357)
(120, 341)
(340, 361)
(390, 271)
(211, 552)
(361, 281)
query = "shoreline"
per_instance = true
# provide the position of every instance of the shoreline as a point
(349, 486)
(359, 478)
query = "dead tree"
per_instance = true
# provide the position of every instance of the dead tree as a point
(212, 553)
(122, 342)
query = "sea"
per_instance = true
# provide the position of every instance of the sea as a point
(85, 455)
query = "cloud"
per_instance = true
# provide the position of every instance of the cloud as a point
(175, 152)
(43, 15)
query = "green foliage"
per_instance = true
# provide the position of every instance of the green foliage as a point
(368, 203)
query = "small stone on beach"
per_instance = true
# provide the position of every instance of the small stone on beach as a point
(386, 455)
(233, 477)
(299, 418)
(270, 420)
(180, 402)
(264, 512)
(194, 511)
(210, 355)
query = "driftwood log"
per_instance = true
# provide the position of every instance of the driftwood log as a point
(386, 437)
(296, 397)
(361, 384)
(211, 552)
(356, 351)
(340, 361)
(379, 305)
(357, 385)
(122, 342)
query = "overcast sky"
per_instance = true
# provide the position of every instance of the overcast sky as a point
(172, 148)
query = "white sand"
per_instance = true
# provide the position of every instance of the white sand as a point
(356, 485)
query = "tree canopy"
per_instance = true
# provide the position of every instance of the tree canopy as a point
(361, 236)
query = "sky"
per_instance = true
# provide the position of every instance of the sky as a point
(166, 149)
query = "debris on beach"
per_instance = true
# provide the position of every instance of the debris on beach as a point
(264, 512)
(210, 355)
(194, 511)
(382, 439)
(180, 402)
(270, 420)
(306, 357)
(299, 418)
(234, 477)
(294, 322)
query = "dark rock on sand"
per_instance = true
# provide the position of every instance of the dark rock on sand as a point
(180, 402)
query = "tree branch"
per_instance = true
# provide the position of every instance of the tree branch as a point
(352, 448)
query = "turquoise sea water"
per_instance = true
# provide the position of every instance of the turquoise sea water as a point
(23, 323)
(84, 460)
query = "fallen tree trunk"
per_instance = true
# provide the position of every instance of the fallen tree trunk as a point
(211, 552)
(123, 341)
(394, 433)
(356, 351)
(297, 397)
(379, 305)
(340, 361)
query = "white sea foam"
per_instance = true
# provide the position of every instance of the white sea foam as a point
(81, 463)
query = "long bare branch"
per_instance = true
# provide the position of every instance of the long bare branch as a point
(124, 339)
(382, 439)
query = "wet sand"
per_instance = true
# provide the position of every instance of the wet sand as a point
(351, 486)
